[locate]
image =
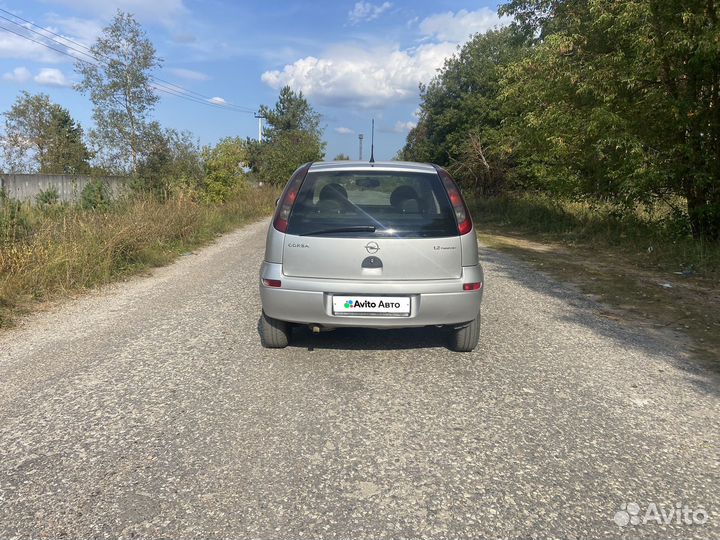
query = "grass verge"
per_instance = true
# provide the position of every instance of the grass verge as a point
(644, 272)
(46, 254)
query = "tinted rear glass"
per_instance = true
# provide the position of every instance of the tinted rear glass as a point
(395, 203)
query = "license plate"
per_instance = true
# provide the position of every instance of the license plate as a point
(371, 305)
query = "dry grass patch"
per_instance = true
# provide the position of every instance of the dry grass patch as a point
(49, 253)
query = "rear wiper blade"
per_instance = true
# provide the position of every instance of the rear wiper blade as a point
(357, 228)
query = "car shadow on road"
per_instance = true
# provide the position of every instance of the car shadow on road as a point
(366, 339)
(585, 311)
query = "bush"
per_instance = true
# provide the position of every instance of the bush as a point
(95, 196)
(48, 197)
(14, 224)
(223, 168)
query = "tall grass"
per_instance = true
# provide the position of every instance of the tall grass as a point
(48, 252)
(649, 236)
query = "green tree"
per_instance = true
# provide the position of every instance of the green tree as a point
(461, 115)
(287, 151)
(292, 112)
(293, 137)
(622, 99)
(67, 152)
(41, 136)
(592, 99)
(341, 157)
(172, 162)
(121, 90)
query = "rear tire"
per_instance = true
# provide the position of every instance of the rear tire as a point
(466, 338)
(274, 334)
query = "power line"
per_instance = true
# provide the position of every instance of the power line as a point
(46, 37)
(91, 55)
(39, 43)
(160, 88)
(168, 87)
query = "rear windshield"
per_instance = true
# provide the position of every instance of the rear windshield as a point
(353, 203)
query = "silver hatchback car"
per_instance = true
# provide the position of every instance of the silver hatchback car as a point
(371, 245)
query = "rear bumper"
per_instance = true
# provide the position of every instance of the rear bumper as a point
(432, 302)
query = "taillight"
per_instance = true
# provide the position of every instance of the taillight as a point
(462, 215)
(472, 286)
(285, 204)
(272, 282)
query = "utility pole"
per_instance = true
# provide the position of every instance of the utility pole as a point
(360, 139)
(260, 118)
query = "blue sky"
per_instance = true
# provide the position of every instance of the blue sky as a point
(353, 60)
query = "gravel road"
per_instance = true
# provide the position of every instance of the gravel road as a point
(149, 409)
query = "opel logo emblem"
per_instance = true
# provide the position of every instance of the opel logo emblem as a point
(372, 248)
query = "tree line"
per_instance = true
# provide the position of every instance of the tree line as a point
(41, 136)
(595, 100)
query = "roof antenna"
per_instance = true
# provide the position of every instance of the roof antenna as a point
(372, 143)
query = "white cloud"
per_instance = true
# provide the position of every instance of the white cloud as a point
(217, 100)
(18, 75)
(189, 74)
(458, 27)
(344, 131)
(45, 77)
(403, 127)
(83, 31)
(51, 77)
(16, 47)
(368, 78)
(366, 11)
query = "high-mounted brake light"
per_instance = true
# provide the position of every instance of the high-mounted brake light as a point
(284, 207)
(462, 215)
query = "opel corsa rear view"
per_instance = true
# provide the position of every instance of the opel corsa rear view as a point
(371, 245)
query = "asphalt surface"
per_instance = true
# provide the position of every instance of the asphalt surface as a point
(149, 409)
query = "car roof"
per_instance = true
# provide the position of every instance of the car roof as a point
(397, 166)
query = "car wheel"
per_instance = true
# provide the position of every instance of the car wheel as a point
(274, 334)
(465, 338)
